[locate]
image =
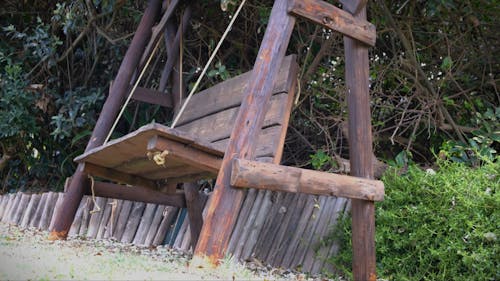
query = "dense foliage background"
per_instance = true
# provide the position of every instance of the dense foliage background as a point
(434, 74)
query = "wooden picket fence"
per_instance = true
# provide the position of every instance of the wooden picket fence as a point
(280, 229)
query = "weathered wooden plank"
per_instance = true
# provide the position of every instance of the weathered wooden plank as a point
(281, 230)
(3, 203)
(328, 266)
(8, 205)
(319, 233)
(249, 224)
(116, 208)
(151, 96)
(334, 18)
(111, 107)
(155, 224)
(168, 216)
(273, 224)
(133, 222)
(106, 214)
(35, 220)
(118, 176)
(137, 193)
(75, 226)
(284, 238)
(183, 230)
(247, 252)
(242, 218)
(191, 156)
(299, 231)
(14, 207)
(96, 216)
(254, 174)
(226, 201)
(322, 253)
(229, 94)
(30, 210)
(219, 125)
(305, 242)
(121, 223)
(48, 211)
(360, 152)
(86, 215)
(57, 207)
(23, 203)
(145, 223)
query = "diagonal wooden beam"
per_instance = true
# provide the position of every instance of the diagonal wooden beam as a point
(151, 96)
(254, 174)
(226, 201)
(335, 19)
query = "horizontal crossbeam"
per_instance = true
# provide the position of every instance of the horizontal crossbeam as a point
(335, 19)
(185, 153)
(253, 174)
(152, 96)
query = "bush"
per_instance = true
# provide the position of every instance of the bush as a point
(436, 226)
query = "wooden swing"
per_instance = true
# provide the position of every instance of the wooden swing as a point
(232, 124)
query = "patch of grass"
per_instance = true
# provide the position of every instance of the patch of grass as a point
(436, 226)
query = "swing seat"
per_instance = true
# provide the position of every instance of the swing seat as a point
(156, 155)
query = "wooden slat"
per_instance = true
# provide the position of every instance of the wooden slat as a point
(60, 198)
(3, 203)
(183, 153)
(77, 221)
(152, 96)
(229, 93)
(219, 125)
(155, 224)
(133, 222)
(14, 207)
(96, 216)
(253, 174)
(121, 222)
(106, 214)
(145, 223)
(116, 208)
(112, 174)
(35, 220)
(242, 218)
(8, 205)
(30, 210)
(84, 226)
(169, 215)
(331, 17)
(23, 203)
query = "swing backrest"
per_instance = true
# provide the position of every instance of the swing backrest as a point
(211, 113)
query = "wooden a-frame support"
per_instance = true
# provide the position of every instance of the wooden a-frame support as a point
(226, 200)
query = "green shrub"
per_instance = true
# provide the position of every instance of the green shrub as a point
(436, 226)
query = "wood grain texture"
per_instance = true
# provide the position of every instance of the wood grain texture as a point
(30, 210)
(96, 216)
(75, 226)
(360, 153)
(133, 222)
(121, 222)
(168, 217)
(254, 174)
(8, 205)
(151, 96)
(195, 209)
(57, 207)
(145, 224)
(3, 200)
(23, 203)
(226, 201)
(14, 206)
(35, 220)
(86, 215)
(242, 218)
(116, 209)
(106, 214)
(335, 19)
(155, 224)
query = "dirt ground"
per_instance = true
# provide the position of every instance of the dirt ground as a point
(28, 255)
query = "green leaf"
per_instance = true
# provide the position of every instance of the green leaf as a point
(447, 63)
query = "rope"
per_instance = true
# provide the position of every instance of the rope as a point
(96, 206)
(195, 87)
(132, 91)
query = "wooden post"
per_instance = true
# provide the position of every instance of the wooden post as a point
(109, 112)
(195, 210)
(360, 151)
(226, 201)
